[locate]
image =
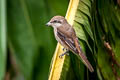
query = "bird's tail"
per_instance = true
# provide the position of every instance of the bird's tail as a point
(82, 55)
(85, 61)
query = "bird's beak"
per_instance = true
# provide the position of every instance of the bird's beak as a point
(48, 24)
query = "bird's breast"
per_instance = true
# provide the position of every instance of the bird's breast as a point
(58, 39)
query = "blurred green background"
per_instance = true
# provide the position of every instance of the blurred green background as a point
(30, 44)
(27, 45)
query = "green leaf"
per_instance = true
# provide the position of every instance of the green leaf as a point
(83, 13)
(31, 43)
(2, 38)
(107, 30)
(21, 39)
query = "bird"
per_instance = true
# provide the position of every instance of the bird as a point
(66, 36)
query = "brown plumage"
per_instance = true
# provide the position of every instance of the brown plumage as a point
(66, 36)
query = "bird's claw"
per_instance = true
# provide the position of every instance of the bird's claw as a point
(60, 56)
(65, 53)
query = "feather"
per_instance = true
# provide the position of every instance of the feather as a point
(70, 41)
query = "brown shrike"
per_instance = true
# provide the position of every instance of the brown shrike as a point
(66, 36)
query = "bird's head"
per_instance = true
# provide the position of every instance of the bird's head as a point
(57, 21)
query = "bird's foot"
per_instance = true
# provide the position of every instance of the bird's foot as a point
(65, 53)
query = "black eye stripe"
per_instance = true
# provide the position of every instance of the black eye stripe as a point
(55, 21)
(59, 21)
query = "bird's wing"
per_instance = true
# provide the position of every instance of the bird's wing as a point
(71, 41)
(67, 40)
